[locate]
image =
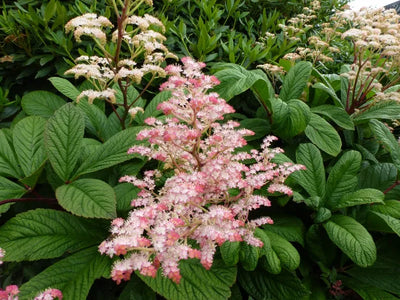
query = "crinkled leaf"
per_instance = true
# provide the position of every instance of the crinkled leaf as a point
(336, 114)
(389, 207)
(353, 239)
(230, 252)
(262, 285)
(384, 136)
(329, 90)
(91, 198)
(384, 110)
(73, 275)
(323, 135)
(136, 289)
(366, 291)
(287, 254)
(323, 214)
(28, 140)
(65, 87)
(260, 127)
(359, 197)
(393, 223)
(41, 103)
(248, 256)
(379, 176)
(45, 233)
(8, 161)
(295, 81)
(95, 119)
(269, 259)
(63, 139)
(343, 177)
(10, 190)
(289, 227)
(196, 282)
(313, 178)
(151, 109)
(289, 118)
(112, 152)
(125, 193)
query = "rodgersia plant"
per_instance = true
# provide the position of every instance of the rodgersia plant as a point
(136, 49)
(208, 199)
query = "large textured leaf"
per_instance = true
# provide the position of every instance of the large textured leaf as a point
(73, 275)
(269, 259)
(28, 140)
(366, 291)
(125, 193)
(112, 152)
(385, 110)
(389, 207)
(336, 114)
(63, 139)
(364, 196)
(136, 289)
(8, 161)
(45, 233)
(95, 119)
(384, 136)
(65, 87)
(289, 118)
(287, 254)
(260, 127)
(393, 223)
(343, 177)
(248, 256)
(353, 239)
(379, 176)
(323, 135)
(329, 90)
(230, 252)
(319, 246)
(290, 228)
(313, 178)
(10, 190)
(295, 81)
(151, 109)
(242, 78)
(261, 285)
(196, 283)
(91, 198)
(41, 103)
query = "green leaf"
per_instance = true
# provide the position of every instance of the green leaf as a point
(125, 193)
(295, 81)
(393, 223)
(289, 118)
(323, 135)
(95, 119)
(336, 114)
(196, 282)
(287, 254)
(45, 233)
(8, 161)
(136, 289)
(386, 110)
(261, 285)
(73, 275)
(379, 176)
(248, 256)
(10, 190)
(41, 103)
(230, 252)
(260, 127)
(313, 178)
(329, 90)
(364, 196)
(151, 109)
(353, 239)
(343, 177)
(269, 259)
(384, 136)
(323, 214)
(366, 291)
(91, 198)
(28, 139)
(112, 152)
(389, 207)
(242, 78)
(289, 227)
(63, 139)
(65, 87)
(319, 246)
